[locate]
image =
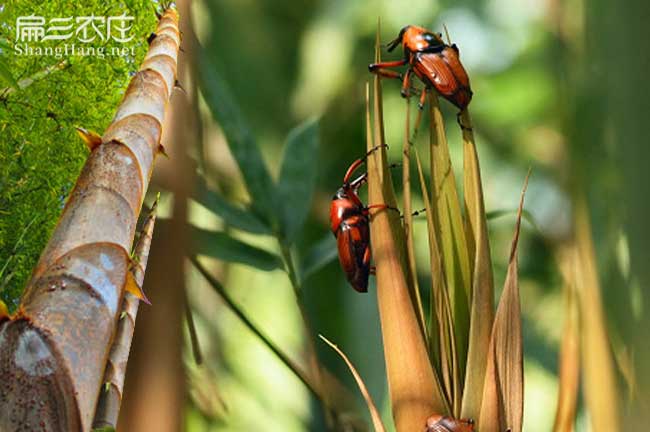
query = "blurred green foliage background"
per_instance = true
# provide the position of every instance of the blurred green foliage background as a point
(558, 86)
(286, 63)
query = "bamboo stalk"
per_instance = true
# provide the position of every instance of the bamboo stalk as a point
(601, 390)
(108, 406)
(56, 346)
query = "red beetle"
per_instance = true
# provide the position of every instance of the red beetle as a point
(350, 223)
(434, 62)
(438, 423)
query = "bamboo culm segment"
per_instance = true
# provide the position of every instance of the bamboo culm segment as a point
(108, 405)
(55, 348)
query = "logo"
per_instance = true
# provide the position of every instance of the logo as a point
(81, 35)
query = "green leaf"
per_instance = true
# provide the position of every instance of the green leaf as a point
(455, 259)
(6, 75)
(4, 43)
(240, 138)
(297, 178)
(318, 256)
(236, 217)
(220, 245)
(525, 214)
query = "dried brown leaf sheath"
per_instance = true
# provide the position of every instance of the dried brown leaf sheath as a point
(374, 412)
(482, 298)
(54, 350)
(502, 405)
(411, 381)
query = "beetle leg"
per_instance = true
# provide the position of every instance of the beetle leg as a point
(416, 213)
(366, 257)
(382, 69)
(460, 123)
(378, 67)
(406, 84)
(367, 254)
(423, 98)
(387, 73)
(379, 207)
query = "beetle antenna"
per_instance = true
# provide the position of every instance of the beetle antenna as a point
(393, 44)
(447, 34)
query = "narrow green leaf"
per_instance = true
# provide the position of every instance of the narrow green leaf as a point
(240, 138)
(453, 245)
(525, 215)
(319, 255)
(236, 217)
(220, 245)
(297, 178)
(6, 75)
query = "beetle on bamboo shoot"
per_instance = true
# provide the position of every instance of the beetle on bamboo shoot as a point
(434, 62)
(350, 224)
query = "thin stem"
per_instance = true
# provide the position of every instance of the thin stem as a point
(408, 219)
(35, 77)
(214, 283)
(309, 332)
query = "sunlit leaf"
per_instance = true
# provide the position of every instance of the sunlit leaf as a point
(235, 216)
(222, 246)
(239, 135)
(319, 255)
(374, 413)
(503, 394)
(297, 178)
